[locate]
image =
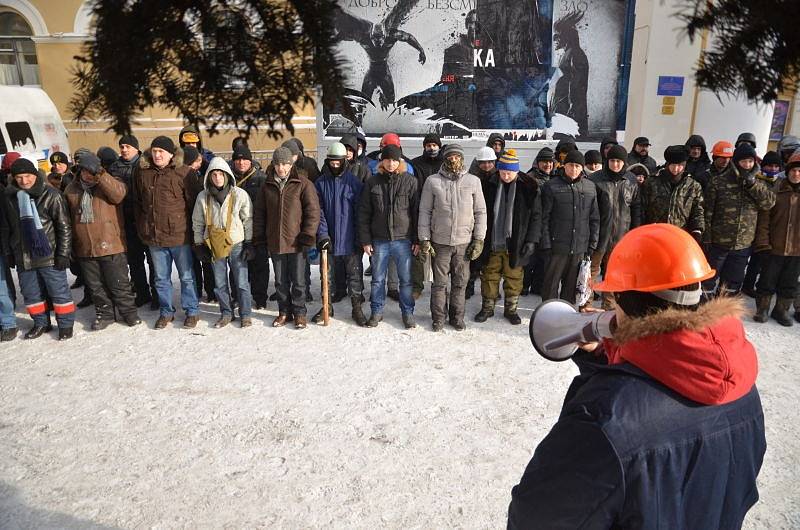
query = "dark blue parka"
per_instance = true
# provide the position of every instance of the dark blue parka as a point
(630, 453)
(338, 200)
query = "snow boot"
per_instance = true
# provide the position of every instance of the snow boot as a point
(358, 313)
(781, 311)
(762, 308)
(487, 311)
(408, 321)
(319, 318)
(511, 310)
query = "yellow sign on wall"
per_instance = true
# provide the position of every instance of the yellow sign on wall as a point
(669, 100)
(668, 110)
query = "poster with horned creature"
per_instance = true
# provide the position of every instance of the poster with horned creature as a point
(467, 68)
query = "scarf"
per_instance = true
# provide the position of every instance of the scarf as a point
(503, 214)
(219, 193)
(87, 211)
(32, 232)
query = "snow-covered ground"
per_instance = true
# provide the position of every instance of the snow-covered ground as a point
(338, 427)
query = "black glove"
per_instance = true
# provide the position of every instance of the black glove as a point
(248, 251)
(698, 236)
(61, 263)
(528, 249)
(203, 253)
(10, 261)
(750, 179)
(324, 244)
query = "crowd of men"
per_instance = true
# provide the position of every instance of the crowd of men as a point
(122, 221)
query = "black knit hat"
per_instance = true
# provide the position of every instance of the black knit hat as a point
(744, 150)
(23, 165)
(617, 152)
(190, 154)
(129, 139)
(593, 156)
(676, 154)
(107, 156)
(391, 152)
(432, 139)
(575, 157)
(165, 143)
(90, 163)
(242, 152)
(545, 154)
(771, 158)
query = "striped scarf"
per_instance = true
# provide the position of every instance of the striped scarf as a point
(32, 232)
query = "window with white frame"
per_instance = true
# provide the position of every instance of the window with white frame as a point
(18, 62)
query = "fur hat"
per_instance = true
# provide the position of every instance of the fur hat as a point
(676, 154)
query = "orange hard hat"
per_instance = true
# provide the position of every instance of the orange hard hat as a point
(653, 258)
(723, 149)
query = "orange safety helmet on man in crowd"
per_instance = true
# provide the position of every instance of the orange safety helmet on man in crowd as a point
(722, 149)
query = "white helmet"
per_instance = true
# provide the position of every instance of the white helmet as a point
(486, 154)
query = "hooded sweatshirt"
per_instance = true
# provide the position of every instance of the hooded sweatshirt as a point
(698, 168)
(241, 228)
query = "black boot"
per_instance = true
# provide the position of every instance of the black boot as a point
(8, 334)
(319, 318)
(101, 323)
(37, 331)
(762, 308)
(358, 314)
(470, 289)
(511, 310)
(781, 312)
(374, 320)
(409, 322)
(487, 311)
(64, 333)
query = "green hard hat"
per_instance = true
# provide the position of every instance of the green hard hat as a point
(337, 151)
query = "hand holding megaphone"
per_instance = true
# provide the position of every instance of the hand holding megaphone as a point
(557, 329)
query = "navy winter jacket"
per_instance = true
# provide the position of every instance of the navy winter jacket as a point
(338, 200)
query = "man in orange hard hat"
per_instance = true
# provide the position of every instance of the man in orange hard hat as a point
(663, 426)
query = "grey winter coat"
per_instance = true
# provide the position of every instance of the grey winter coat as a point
(452, 210)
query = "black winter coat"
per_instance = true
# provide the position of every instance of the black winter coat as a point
(698, 169)
(570, 216)
(251, 182)
(619, 204)
(647, 161)
(425, 166)
(53, 213)
(526, 225)
(389, 208)
(607, 464)
(124, 171)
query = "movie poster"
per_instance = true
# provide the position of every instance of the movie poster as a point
(468, 68)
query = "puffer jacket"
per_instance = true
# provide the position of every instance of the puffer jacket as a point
(778, 229)
(286, 221)
(389, 207)
(53, 213)
(241, 228)
(452, 210)
(163, 201)
(338, 201)
(526, 224)
(667, 432)
(679, 204)
(570, 216)
(106, 235)
(731, 209)
(619, 204)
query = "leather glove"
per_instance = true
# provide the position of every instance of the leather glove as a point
(324, 244)
(61, 263)
(528, 249)
(474, 249)
(248, 251)
(750, 179)
(426, 249)
(203, 253)
(10, 261)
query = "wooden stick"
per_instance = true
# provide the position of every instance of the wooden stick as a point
(323, 263)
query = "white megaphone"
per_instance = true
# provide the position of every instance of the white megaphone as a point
(557, 327)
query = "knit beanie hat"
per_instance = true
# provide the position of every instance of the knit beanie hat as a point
(107, 156)
(282, 155)
(129, 139)
(744, 150)
(242, 152)
(617, 152)
(165, 143)
(291, 145)
(90, 163)
(23, 165)
(545, 154)
(676, 154)
(432, 139)
(453, 149)
(508, 161)
(575, 157)
(190, 154)
(771, 158)
(391, 152)
(593, 156)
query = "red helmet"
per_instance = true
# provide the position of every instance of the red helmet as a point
(390, 139)
(722, 149)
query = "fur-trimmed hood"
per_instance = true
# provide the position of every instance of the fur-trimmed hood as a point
(146, 159)
(703, 355)
(402, 169)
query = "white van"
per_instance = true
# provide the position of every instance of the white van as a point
(30, 124)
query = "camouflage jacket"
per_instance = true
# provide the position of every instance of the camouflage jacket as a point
(732, 209)
(679, 204)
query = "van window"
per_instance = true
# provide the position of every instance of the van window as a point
(21, 137)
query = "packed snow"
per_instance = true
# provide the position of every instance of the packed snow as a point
(337, 427)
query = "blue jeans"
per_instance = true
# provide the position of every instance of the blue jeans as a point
(57, 286)
(238, 269)
(163, 258)
(400, 252)
(7, 318)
